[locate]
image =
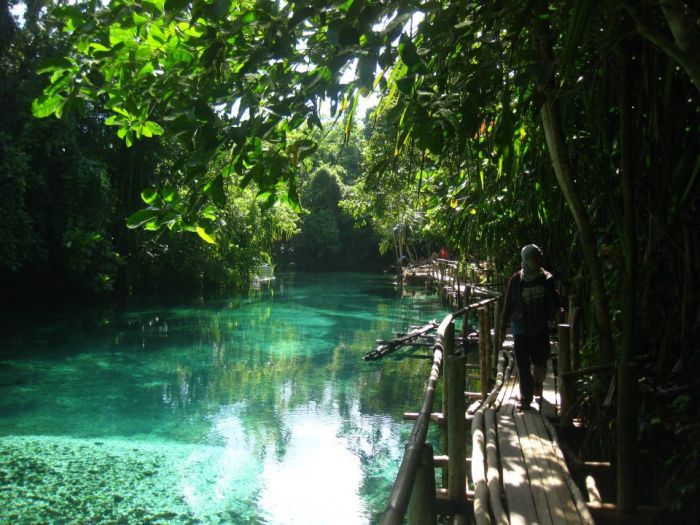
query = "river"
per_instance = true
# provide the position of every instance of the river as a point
(239, 410)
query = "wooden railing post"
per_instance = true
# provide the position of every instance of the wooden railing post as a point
(490, 357)
(421, 508)
(564, 361)
(456, 422)
(465, 329)
(575, 339)
(460, 299)
(483, 363)
(454, 411)
(447, 352)
(497, 326)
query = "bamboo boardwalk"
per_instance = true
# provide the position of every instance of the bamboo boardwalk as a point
(525, 479)
(517, 472)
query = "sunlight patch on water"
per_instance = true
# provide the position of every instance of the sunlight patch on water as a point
(317, 480)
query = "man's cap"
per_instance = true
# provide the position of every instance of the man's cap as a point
(530, 250)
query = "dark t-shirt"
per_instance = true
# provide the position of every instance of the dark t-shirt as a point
(531, 304)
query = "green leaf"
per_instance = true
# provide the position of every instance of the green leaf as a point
(47, 105)
(405, 84)
(146, 70)
(578, 22)
(181, 55)
(139, 20)
(408, 52)
(149, 195)
(291, 199)
(248, 18)
(365, 70)
(306, 148)
(73, 15)
(174, 6)
(118, 34)
(141, 217)
(215, 189)
(150, 129)
(209, 212)
(169, 194)
(158, 4)
(52, 64)
(97, 47)
(205, 235)
(255, 145)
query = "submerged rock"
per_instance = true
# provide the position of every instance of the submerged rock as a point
(49, 479)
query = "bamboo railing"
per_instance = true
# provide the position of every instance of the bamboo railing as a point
(413, 490)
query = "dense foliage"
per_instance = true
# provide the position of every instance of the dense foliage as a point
(574, 124)
(67, 188)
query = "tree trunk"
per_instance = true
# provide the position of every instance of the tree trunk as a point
(626, 405)
(683, 26)
(556, 143)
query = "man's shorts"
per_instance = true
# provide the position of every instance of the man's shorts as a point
(534, 347)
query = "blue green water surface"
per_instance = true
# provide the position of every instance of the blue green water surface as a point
(254, 410)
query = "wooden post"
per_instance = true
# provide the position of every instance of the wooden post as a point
(575, 340)
(564, 367)
(497, 326)
(483, 354)
(493, 478)
(456, 423)
(421, 508)
(460, 299)
(465, 329)
(447, 352)
(481, 490)
(491, 358)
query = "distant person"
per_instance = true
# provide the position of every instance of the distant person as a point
(531, 302)
(444, 254)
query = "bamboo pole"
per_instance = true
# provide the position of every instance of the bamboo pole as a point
(483, 354)
(575, 322)
(465, 327)
(400, 493)
(592, 489)
(421, 507)
(581, 507)
(399, 498)
(456, 426)
(492, 474)
(497, 326)
(491, 359)
(481, 490)
(448, 350)
(567, 394)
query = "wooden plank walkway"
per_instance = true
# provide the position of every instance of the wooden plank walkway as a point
(536, 485)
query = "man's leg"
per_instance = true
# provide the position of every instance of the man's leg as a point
(522, 359)
(539, 353)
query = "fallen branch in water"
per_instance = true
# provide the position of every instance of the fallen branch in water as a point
(389, 346)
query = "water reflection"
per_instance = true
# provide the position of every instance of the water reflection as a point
(263, 407)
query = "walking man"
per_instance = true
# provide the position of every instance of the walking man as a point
(531, 302)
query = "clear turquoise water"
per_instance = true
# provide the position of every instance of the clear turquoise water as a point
(245, 410)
